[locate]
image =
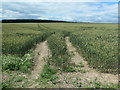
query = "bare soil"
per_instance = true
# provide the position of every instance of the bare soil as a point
(85, 75)
(41, 53)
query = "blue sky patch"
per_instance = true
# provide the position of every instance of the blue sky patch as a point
(105, 12)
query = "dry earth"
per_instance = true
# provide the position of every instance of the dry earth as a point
(42, 52)
(85, 75)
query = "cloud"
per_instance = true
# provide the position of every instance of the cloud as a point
(102, 13)
(69, 11)
(61, 1)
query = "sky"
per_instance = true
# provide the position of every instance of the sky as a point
(97, 12)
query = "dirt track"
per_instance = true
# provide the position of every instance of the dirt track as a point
(41, 53)
(85, 75)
